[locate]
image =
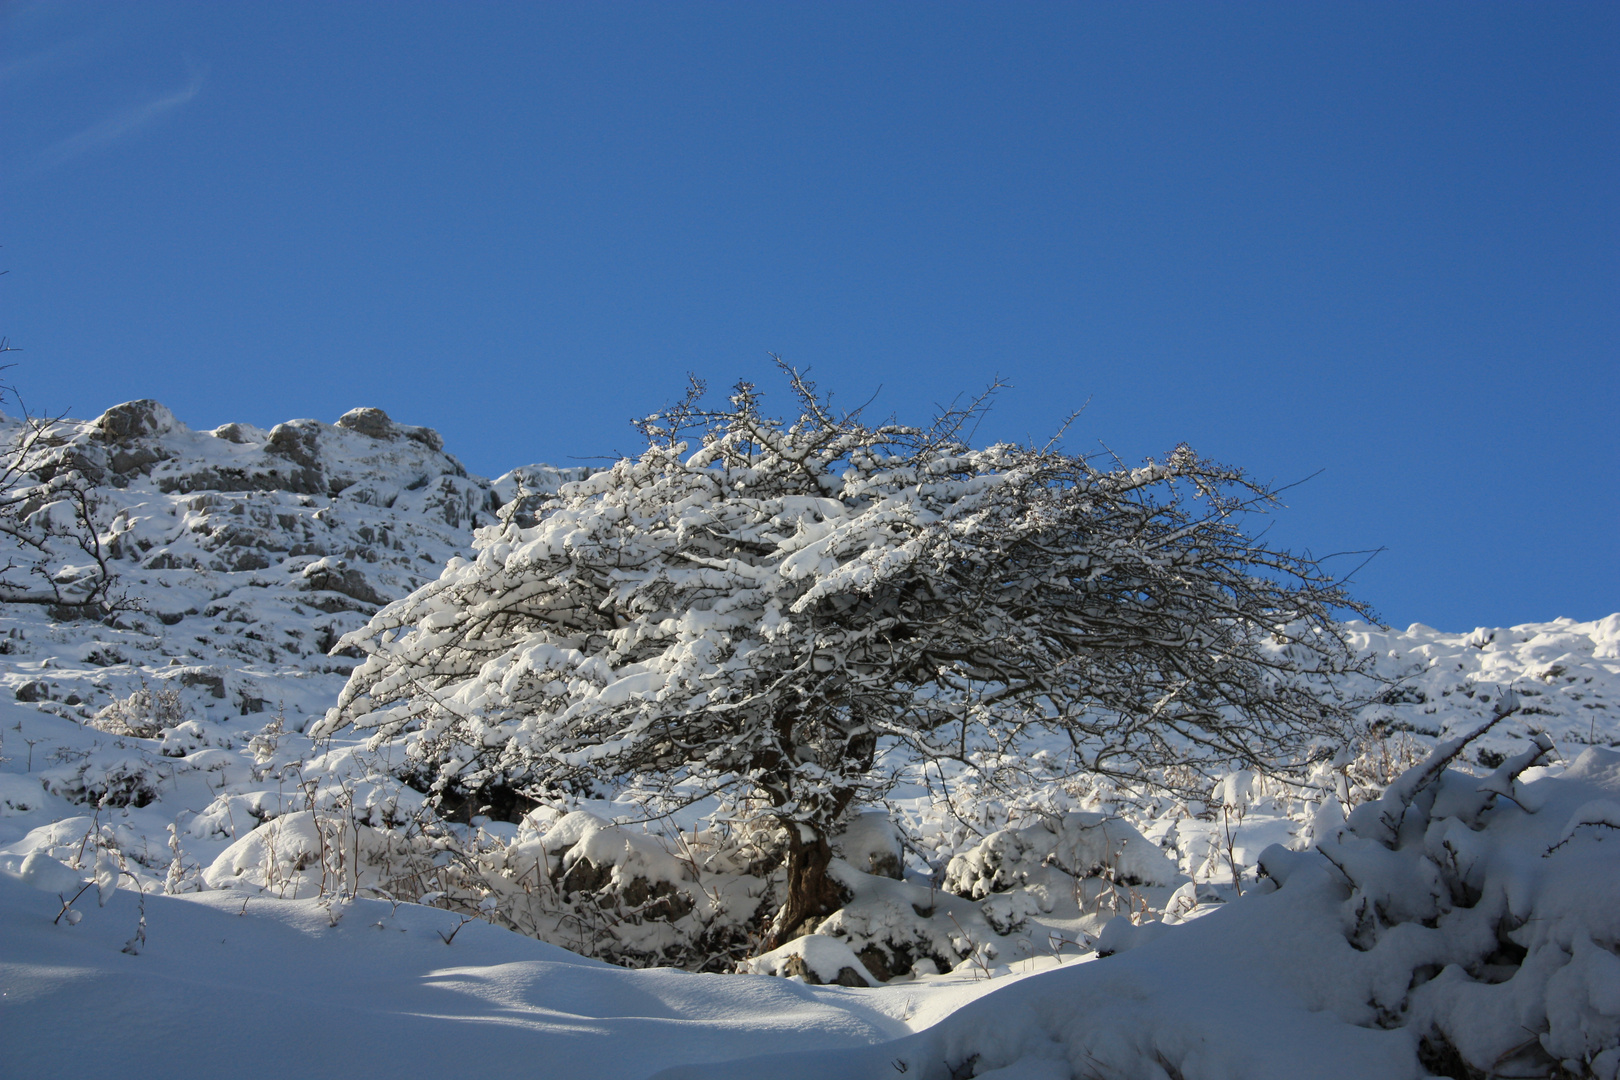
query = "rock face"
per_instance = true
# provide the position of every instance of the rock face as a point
(373, 422)
(142, 440)
(249, 549)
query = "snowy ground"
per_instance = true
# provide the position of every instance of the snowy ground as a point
(1279, 983)
(250, 552)
(270, 988)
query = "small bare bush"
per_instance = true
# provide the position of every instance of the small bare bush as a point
(145, 714)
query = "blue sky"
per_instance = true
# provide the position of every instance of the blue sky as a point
(1375, 241)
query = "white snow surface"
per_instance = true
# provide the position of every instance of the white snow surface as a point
(268, 987)
(251, 552)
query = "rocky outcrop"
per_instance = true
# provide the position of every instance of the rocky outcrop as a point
(376, 424)
(135, 419)
(304, 457)
(272, 542)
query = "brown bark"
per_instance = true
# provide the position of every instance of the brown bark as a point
(811, 894)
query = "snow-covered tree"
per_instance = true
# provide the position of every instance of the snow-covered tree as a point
(51, 552)
(763, 609)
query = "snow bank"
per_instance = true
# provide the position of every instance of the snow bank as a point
(259, 987)
(1481, 933)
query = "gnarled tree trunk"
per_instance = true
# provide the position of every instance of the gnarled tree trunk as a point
(811, 893)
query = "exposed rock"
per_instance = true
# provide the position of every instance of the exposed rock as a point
(134, 419)
(375, 423)
(241, 434)
(212, 681)
(136, 459)
(424, 435)
(335, 575)
(796, 966)
(245, 559)
(33, 691)
(299, 442)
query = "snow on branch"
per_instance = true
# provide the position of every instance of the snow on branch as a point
(755, 614)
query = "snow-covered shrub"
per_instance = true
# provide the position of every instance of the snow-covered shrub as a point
(1077, 846)
(1471, 933)
(106, 778)
(183, 738)
(334, 827)
(145, 714)
(306, 854)
(1482, 912)
(754, 607)
(692, 900)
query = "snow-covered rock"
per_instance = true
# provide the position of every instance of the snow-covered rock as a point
(42, 872)
(1075, 845)
(871, 844)
(19, 794)
(817, 960)
(250, 552)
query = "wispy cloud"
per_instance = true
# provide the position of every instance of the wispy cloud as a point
(120, 125)
(23, 67)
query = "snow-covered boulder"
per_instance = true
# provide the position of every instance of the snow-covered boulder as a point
(1078, 845)
(134, 419)
(273, 855)
(375, 423)
(870, 843)
(598, 858)
(42, 872)
(817, 960)
(19, 794)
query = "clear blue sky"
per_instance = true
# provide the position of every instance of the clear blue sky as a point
(1376, 240)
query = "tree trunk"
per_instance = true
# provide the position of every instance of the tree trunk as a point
(811, 893)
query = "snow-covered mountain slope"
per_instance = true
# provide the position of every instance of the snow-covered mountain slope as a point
(1566, 673)
(167, 747)
(246, 554)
